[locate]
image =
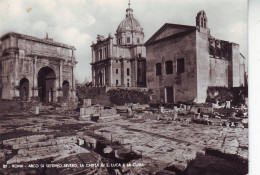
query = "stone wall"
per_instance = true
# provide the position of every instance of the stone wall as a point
(218, 72)
(203, 67)
(9, 106)
(184, 84)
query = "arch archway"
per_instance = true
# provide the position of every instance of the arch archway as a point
(46, 84)
(24, 89)
(65, 89)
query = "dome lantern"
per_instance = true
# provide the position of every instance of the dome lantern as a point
(129, 31)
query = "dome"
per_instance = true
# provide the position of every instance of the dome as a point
(129, 24)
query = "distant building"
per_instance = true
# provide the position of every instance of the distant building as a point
(120, 61)
(33, 68)
(183, 61)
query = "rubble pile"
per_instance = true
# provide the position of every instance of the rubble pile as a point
(94, 112)
(155, 138)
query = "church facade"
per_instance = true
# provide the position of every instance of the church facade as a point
(34, 68)
(183, 61)
(120, 61)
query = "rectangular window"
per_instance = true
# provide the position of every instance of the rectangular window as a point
(116, 71)
(180, 65)
(128, 71)
(116, 82)
(138, 40)
(158, 67)
(128, 84)
(128, 39)
(168, 67)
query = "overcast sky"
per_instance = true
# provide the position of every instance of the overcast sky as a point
(77, 22)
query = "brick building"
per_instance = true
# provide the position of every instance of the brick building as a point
(33, 68)
(183, 61)
(120, 61)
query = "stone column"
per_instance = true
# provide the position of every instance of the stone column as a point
(60, 76)
(136, 69)
(14, 73)
(93, 76)
(73, 78)
(111, 72)
(93, 55)
(105, 76)
(73, 91)
(35, 81)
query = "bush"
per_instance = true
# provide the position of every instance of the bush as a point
(122, 96)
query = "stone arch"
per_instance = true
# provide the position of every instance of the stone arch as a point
(47, 84)
(24, 89)
(66, 90)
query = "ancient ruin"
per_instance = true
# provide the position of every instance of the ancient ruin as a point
(36, 69)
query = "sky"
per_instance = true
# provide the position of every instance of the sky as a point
(78, 22)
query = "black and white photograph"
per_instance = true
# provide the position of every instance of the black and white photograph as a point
(124, 87)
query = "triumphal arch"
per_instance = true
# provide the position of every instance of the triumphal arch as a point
(36, 69)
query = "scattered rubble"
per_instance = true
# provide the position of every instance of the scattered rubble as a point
(164, 139)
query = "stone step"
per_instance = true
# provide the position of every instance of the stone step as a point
(26, 139)
(43, 153)
(48, 149)
(51, 142)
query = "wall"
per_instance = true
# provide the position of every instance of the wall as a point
(218, 72)
(184, 84)
(9, 106)
(203, 66)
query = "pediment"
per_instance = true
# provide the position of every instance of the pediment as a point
(169, 30)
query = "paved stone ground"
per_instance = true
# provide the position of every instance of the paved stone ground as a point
(32, 139)
(174, 143)
(26, 138)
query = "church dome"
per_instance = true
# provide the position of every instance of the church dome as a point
(129, 24)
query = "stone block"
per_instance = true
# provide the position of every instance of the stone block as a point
(87, 102)
(90, 140)
(228, 104)
(80, 142)
(37, 110)
(82, 111)
(161, 109)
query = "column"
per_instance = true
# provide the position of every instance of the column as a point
(35, 81)
(72, 91)
(104, 76)
(111, 72)
(14, 73)
(136, 68)
(60, 76)
(73, 78)
(93, 76)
